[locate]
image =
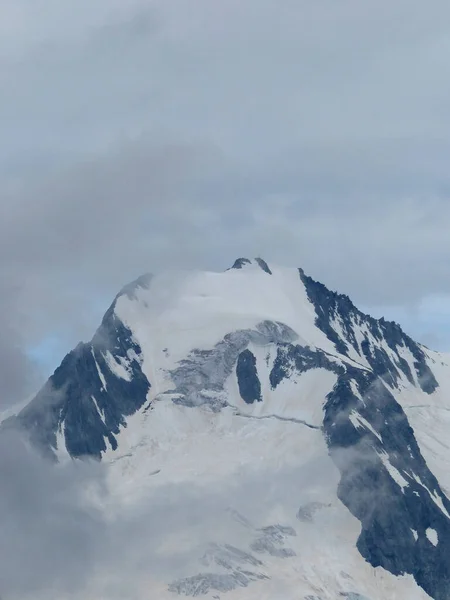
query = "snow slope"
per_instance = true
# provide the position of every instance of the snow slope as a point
(186, 446)
(429, 416)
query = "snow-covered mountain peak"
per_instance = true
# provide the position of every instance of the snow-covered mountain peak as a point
(189, 310)
(195, 375)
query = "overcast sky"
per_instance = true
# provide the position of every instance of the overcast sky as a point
(139, 135)
(142, 135)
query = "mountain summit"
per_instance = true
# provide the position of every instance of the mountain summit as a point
(198, 374)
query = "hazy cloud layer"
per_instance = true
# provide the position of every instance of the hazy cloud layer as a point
(148, 134)
(64, 534)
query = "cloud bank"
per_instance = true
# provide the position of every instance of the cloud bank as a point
(150, 134)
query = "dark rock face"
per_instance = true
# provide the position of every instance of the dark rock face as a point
(241, 262)
(86, 397)
(394, 497)
(264, 266)
(338, 318)
(200, 378)
(247, 377)
(300, 359)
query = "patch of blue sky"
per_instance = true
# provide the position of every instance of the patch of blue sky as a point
(428, 322)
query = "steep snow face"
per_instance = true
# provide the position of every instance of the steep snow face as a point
(285, 533)
(429, 416)
(179, 312)
(193, 376)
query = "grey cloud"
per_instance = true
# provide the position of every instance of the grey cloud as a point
(153, 135)
(116, 211)
(49, 534)
(16, 374)
(64, 534)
